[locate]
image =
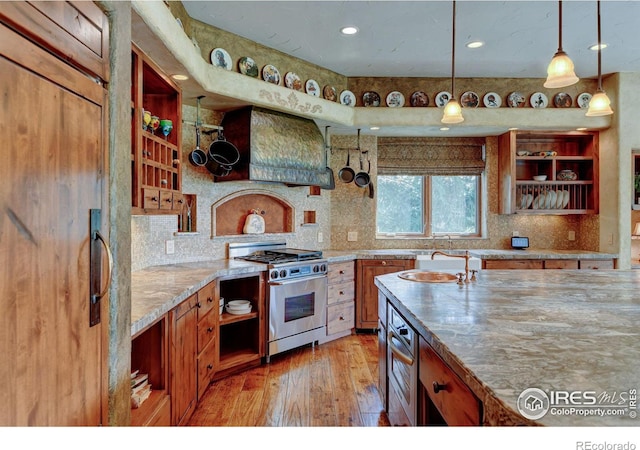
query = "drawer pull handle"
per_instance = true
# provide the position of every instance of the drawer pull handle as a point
(210, 300)
(384, 263)
(341, 318)
(342, 272)
(199, 305)
(437, 387)
(209, 366)
(342, 292)
(210, 329)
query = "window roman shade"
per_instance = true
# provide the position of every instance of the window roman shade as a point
(431, 156)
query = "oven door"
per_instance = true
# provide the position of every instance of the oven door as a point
(297, 306)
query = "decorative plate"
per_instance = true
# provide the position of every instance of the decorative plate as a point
(469, 100)
(419, 98)
(492, 100)
(562, 100)
(583, 100)
(442, 99)
(270, 74)
(248, 66)
(292, 81)
(312, 87)
(220, 58)
(538, 100)
(515, 100)
(395, 99)
(329, 93)
(371, 98)
(347, 98)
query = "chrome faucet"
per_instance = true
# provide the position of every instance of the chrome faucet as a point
(466, 261)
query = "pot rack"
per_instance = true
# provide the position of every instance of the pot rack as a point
(198, 124)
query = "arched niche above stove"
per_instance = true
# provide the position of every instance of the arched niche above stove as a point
(228, 214)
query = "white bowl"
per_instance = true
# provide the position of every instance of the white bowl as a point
(540, 177)
(238, 303)
(238, 311)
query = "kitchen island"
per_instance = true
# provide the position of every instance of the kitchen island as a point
(555, 330)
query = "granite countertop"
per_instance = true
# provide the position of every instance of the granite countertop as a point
(555, 330)
(158, 289)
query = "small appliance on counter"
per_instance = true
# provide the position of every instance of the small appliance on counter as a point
(519, 242)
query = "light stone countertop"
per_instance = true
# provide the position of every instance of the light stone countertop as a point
(556, 330)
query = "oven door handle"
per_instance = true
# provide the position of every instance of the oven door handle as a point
(295, 280)
(407, 359)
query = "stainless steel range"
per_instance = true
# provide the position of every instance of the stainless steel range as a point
(297, 294)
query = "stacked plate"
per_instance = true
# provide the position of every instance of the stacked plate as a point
(551, 200)
(237, 307)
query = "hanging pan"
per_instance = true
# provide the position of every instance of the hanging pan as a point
(346, 174)
(223, 155)
(362, 178)
(198, 157)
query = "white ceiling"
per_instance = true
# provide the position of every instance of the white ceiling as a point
(413, 38)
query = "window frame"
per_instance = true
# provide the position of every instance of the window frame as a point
(427, 216)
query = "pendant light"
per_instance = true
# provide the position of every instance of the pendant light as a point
(600, 105)
(453, 110)
(560, 72)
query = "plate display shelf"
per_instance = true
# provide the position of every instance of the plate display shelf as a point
(525, 154)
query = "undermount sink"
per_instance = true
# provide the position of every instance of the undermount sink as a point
(428, 277)
(447, 264)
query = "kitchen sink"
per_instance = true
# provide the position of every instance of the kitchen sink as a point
(447, 264)
(427, 276)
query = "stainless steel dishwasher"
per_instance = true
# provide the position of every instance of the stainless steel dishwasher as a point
(402, 370)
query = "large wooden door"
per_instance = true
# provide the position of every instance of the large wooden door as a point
(53, 172)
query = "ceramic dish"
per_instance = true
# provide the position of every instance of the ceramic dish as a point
(539, 177)
(492, 100)
(371, 98)
(347, 98)
(238, 303)
(550, 199)
(442, 99)
(312, 88)
(538, 100)
(329, 93)
(419, 98)
(220, 58)
(560, 199)
(582, 101)
(237, 312)
(538, 202)
(515, 100)
(562, 100)
(469, 100)
(292, 81)
(248, 66)
(270, 74)
(395, 99)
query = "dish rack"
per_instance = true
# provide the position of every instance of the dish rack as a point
(559, 197)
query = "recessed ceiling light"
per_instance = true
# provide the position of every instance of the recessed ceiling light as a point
(475, 44)
(374, 128)
(179, 77)
(349, 30)
(596, 47)
(581, 129)
(444, 129)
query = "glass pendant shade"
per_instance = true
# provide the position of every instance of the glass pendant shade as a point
(452, 112)
(560, 72)
(600, 105)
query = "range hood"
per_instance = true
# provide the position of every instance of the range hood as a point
(276, 147)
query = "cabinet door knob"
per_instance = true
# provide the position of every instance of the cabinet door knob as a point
(341, 292)
(341, 318)
(384, 263)
(342, 272)
(199, 305)
(209, 299)
(437, 387)
(209, 366)
(210, 329)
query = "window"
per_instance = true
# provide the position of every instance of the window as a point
(423, 205)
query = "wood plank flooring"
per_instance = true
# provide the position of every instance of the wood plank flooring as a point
(330, 385)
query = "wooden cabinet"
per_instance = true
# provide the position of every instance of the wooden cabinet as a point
(184, 350)
(570, 162)
(242, 338)
(366, 290)
(149, 355)
(340, 300)
(446, 398)
(208, 317)
(508, 264)
(155, 158)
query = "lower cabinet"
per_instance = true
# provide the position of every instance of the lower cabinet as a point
(183, 340)
(366, 290)
(340, 300)
(507, 264)
(445, 398)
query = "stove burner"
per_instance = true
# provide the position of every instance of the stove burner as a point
(282, 256)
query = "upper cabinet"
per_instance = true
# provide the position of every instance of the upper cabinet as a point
(548, 172)
(156, 108)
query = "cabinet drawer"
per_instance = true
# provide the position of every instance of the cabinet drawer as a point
(341, 272)
(561, 264)
(151, 199)
(166, 200)
(341, 292)
(596, 264)
(206, 367)
(206, 299)
(503, 264)
(454, 400)
(340, 317)
(206, 330)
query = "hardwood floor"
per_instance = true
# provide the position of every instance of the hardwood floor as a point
(329, 385)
